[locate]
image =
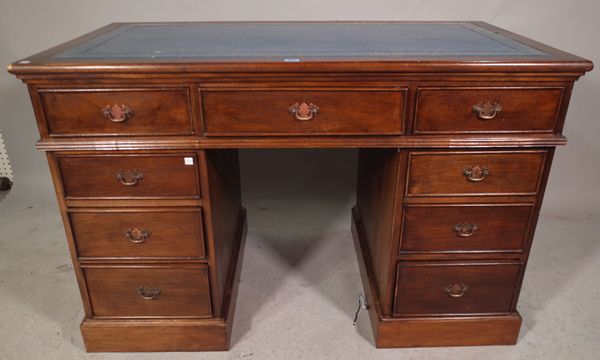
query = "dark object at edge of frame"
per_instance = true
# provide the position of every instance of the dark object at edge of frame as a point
(5, 184)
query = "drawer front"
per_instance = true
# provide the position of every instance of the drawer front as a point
(482, 110)
(303, 112)
(457, 228)
(474, 173)
(138, 233)
(450, 288)
(149, 291)
(117, 112)
(130, 176)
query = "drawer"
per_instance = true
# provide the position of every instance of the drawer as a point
(138, 233)
(303, 112)
(130, 176)
(484, 110)
(117, 112)
(454, 173)
(149, 291)
(454, 228)
(455, 288)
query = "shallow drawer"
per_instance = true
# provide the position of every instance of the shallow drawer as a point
(474, 173)
(149, 291)
(130, 176)
(117, 112)
(452, 288)
(139, 233)
(481, 110)
(456, 228)
(303, 112)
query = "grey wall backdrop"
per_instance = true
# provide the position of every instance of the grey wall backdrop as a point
(28, 26)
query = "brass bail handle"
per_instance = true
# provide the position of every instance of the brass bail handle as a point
(487, 110)
(137, 235)
(129, 178)
(476, 173)
(465, 230)
(456, 290)
(304, 111)
(117, 113)
(148, 293)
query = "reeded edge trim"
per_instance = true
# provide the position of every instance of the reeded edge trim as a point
(320, 66)
(111, 144)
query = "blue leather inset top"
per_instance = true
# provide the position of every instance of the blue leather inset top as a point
(294, 41)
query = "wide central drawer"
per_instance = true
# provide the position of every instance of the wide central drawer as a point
(135, 233)
(306, 111)
(149, 290)
(455, 288)
(118, 175)
(471, 173)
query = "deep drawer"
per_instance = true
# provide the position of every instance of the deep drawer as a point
(138, 233)
(453, 173)
(484, 110)
(130, 176)
(303, 112)
(465, 228)
(117, 112)
(455, 288)
(149, 291)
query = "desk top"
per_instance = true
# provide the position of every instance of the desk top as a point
(296, 41)
(293, 46)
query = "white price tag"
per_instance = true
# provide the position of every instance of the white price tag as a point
(188, 160)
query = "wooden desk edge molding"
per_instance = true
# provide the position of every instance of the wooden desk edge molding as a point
(456, 122)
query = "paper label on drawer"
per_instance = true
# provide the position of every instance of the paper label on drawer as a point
(188, 160)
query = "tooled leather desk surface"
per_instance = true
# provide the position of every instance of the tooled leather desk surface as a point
(292, 41)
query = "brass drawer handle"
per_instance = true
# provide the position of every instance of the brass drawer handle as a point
(456, 290)
(117, 113)
(147, 293)
(303, 112)
(137, 235)
(465, 230)
(130, 177)
(476, 173)
(487, 110)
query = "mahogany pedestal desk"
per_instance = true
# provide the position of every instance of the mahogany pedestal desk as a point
(456, 125)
